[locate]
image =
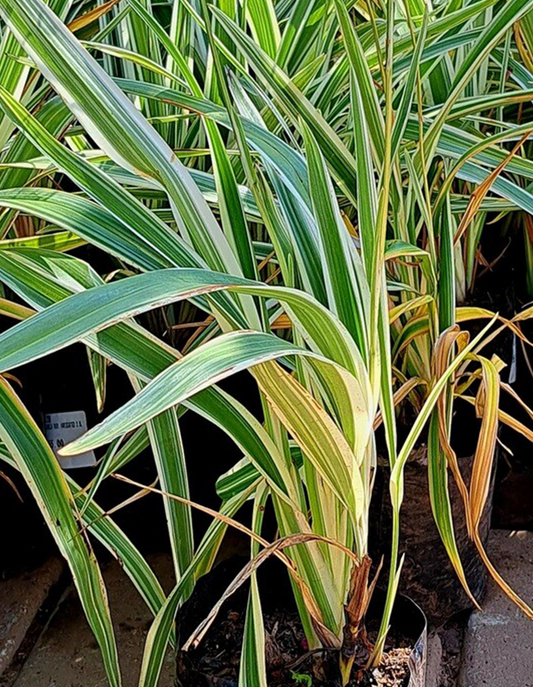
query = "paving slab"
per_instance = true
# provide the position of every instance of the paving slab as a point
(67, 655)
(498, 648)
(21, 599)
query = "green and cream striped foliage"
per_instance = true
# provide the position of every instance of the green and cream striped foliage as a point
(292, 175)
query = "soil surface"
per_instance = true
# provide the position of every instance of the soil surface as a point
(289, 661)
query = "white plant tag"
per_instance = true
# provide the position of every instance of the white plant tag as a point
(62, 428)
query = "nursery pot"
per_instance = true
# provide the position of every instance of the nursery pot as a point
(215, 661)
(427, 574)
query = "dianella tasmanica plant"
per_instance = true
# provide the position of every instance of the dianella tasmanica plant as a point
(249, 159)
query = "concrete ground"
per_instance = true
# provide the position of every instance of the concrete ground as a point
(22, 610)
(57, 649)
(66, 654)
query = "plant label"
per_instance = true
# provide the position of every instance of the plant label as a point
(62, 428)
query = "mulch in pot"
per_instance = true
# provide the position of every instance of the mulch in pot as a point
(216, 661)
(289, 661)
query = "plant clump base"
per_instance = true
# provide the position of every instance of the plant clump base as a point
(290, 663)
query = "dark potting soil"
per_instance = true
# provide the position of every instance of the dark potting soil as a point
(289, 661)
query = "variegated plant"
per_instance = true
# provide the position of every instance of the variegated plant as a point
(275, 165)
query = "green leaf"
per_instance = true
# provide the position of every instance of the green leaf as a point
(495, 30)
(346, 289)
(368, 100)
(42, 473)
(45, 279)
(263, 22)
(114, 539)
(404, 109)
(205, 366)
(96, 308)
(167, 448)
(161, 629)
(252, 669)
(112, 120)
(295, 105)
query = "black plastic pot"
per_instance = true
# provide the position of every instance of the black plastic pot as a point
(408, 621)
(427, 574)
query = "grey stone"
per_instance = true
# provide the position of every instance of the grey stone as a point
(67, 655)
(21, 597)
(498, 648)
